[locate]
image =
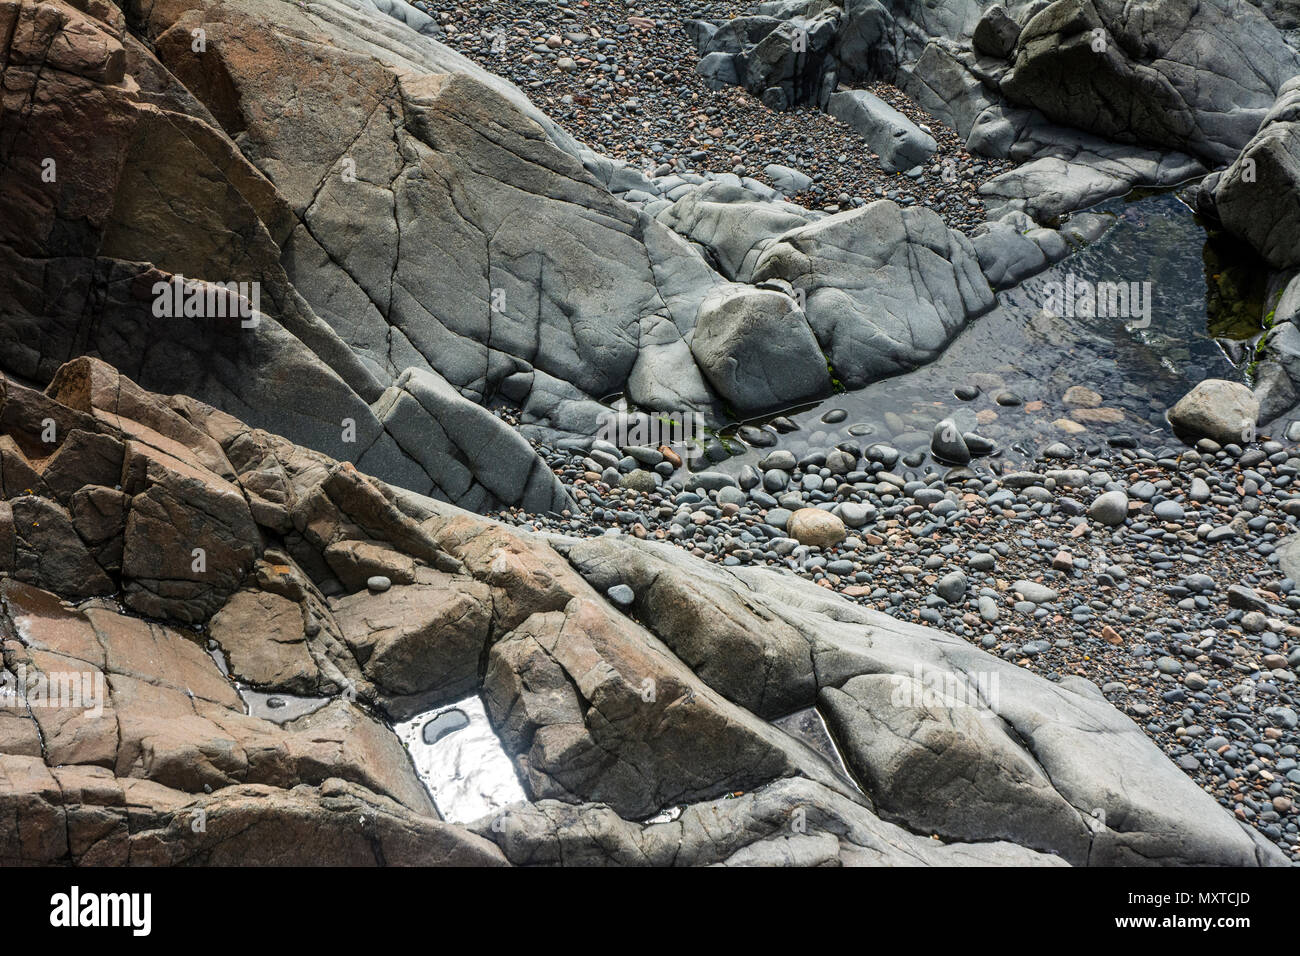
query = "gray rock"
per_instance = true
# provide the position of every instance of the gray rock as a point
(756, 348)
(885, 288)
(996, 33)
(1109, 508)
(951, 587)
(1034, 592)
(1218, 409)
(1202, 83)
(891, 135)
(947, 444)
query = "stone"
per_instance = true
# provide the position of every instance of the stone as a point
(951, 587)
(947, 443)
(355, 563)
(817, 528)
(1218, 409)
(885, 288)
(758, 351)
(891, 135)
(1109, 508)
(996, 33)
(420, 643)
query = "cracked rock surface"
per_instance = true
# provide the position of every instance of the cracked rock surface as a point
(639, 735)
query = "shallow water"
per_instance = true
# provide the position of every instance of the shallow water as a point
(461, 761)
(1206, 301)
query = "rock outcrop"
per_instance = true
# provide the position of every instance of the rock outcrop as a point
(134, 741)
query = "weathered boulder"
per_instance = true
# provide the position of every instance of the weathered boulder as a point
(596, 709)
(1218, 409)
(189, 536)
(885, 289)
(787, 66)
(996, 33)
(1193, 76)
(898, 141)
(48, 552)
(753, 829)
(757, 350)
(420, 644)
(732, 224)
(1258, 196)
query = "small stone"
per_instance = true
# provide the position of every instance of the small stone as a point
(621, 595)
(378, 584)
(816, 528)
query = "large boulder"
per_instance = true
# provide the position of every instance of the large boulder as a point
(732, 224)
(1258, 196)
(885, 288)
(1223, 411)
(757, 350)
(893, 137)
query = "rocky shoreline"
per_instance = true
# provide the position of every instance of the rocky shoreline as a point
(1165, 576)
(316, 548)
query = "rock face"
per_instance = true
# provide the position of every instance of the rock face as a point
(885, 288)
(996, 33)
(1221, 410)
(1258, 196)
(611, 712)
(895, 138)
(1196, 77)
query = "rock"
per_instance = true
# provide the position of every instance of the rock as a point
(787, 180)
(785, 68)
(47, 551)
(996, 33)
(1258, 196)
(344, 308)
(758, 351)
(566, 686)
(730, 222)
(1221, 410)
(1034, 592)
(719, 69)
(189, 536)
(1169, 511)
(951, 587)
(378, 584)
(622, 595)
(947, 443)
(890, 134)
(421, 643)
(885, 288)
(265, 643)
(1109, 508)
(816, 528)
(356, 563)
(1202, 83)
(1080, 396)
(750, 829)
